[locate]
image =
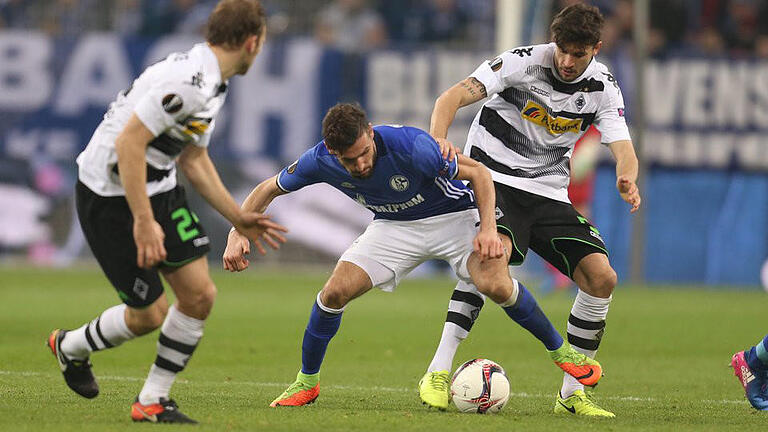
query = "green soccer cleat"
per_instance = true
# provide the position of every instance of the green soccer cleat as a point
(303, 391)
(434, 389)
(587, 371)
(580, 404)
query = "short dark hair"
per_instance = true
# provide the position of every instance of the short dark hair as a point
(234, 21)
(578, 24)
(343, 125)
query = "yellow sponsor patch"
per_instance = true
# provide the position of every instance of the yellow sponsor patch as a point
(538, 115)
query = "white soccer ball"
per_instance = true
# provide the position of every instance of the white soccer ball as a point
(480, 386)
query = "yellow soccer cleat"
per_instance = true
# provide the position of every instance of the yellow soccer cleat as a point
(434, 389)
(580, 404)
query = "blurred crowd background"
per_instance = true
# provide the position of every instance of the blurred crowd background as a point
(705, 190)
(729, 28)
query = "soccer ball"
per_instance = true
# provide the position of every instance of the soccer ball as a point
(480, 386)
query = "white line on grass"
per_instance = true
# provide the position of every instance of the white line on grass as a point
(359, 388)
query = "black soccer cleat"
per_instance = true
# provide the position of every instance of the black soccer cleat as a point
(166, 411)
(77, 373)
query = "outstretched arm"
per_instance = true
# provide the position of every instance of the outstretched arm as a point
(199, 170)
(238, 245)
(487, 241)
(626, 172)
(464, 93)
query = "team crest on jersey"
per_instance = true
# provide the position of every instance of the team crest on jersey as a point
(172, 103)
(292, 167)
(499, 213)
(580, 102)
(495, 64)
(398, 183)
(539, 116)
(347, 185)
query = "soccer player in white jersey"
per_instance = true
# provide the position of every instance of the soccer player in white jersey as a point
(136, 218)
(422, 211)
(543, 98)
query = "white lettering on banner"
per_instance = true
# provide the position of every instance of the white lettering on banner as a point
(402, 87)
(729, 101)
(661, 95)
(759, 87)
(81, 87)
(25, 81)
(292, 97)
(694, 150)
(59, 144)
(167, 45)
(695, 93)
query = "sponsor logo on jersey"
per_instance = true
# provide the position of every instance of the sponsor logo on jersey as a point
(495, 64)
(522, 52)
(390, 208)
(172, 103)
(197, 80)
(201, 241)
(539, 91)
(539, 116)
(292, 167)
(580, 102)
(398, 183)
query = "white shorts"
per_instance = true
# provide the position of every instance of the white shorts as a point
(388, 250)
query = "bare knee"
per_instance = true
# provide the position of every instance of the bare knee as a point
(496, 287)
(602, 283)
(198, 303)
(333, 296)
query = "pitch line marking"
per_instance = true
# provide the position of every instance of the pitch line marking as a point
(355, 388)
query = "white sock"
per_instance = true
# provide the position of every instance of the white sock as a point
(178, 339)
(108, 330)
(586, 325)
(463, 309)
(449, 343)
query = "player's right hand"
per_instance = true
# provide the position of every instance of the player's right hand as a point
(149, 237)
(258, 227)
(237, 248)
(447, 149)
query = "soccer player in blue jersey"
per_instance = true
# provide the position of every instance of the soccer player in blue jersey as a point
(422, 211)
(751, 368)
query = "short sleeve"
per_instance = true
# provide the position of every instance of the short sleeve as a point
(429, 161)
(610, 119)
(205, 139)
(501, 72)
(165, 104)
(303, 172)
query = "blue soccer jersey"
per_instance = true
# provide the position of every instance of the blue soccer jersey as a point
(410, 178)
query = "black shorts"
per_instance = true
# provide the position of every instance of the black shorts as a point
(108, 227)
(553, 229)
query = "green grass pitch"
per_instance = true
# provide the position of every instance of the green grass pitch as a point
(665, 353)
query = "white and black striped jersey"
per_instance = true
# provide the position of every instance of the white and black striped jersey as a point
(526, 132)
(177, 100)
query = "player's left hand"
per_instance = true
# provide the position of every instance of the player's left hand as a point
(447, 149)
(258, 227)
(629, 192)
(488, 245)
